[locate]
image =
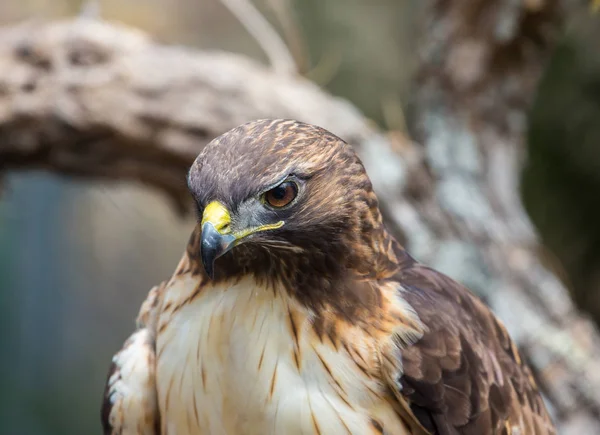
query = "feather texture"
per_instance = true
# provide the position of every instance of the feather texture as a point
(465, 375)
(130, 404)
(321, 325)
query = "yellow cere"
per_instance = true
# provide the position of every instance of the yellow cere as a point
(218, 215)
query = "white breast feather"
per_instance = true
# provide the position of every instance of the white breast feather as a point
(131, 387)
(209, 380)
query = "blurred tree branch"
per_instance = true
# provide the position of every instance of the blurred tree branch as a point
(90, 99)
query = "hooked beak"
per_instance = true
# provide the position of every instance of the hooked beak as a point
(217, 237)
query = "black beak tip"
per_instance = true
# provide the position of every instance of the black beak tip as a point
(213, 246)
(209, 268)
(209, 254)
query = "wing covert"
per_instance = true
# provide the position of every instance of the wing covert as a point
(465, 375)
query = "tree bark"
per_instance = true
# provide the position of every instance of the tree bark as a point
(90, 99)
(480, 65)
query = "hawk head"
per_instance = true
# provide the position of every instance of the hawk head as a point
(285, 200)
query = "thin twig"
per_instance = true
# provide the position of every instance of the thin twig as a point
(265, 35)
(90, 9)
(326, 68)
(292, 32)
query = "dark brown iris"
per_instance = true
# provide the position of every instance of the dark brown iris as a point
(281, 195)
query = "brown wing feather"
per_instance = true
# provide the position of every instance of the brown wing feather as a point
(464, 376)
(129, 404)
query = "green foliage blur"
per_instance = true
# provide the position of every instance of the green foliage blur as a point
(561, 181)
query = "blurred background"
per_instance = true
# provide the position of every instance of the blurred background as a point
(77, 258)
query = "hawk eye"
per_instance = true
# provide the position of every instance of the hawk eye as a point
(281, 195)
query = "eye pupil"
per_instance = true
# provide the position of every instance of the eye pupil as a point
(281, 195)
(279, 192)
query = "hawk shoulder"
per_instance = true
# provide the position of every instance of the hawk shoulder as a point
(464, 375)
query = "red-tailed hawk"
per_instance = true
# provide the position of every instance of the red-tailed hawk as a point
(294, 311)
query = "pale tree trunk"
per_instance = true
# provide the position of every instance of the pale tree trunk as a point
(480, 65)
(85, 98)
